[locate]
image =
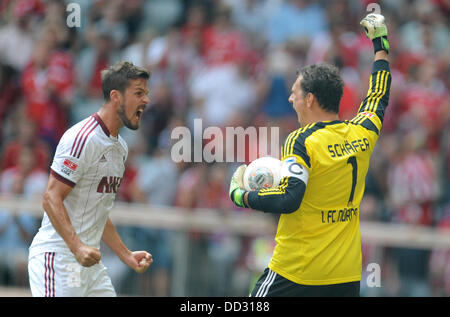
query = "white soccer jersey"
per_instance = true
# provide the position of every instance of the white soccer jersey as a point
(91, 161)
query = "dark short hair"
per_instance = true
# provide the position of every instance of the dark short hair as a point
(325, 83)
(118, 76)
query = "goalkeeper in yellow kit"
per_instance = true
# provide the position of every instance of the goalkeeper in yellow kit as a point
(325, 161)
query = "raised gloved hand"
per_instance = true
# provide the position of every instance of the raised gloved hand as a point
(376, 30)
(237, 190)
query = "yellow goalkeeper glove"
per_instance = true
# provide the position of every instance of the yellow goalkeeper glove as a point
(237, 190)
(376, 30)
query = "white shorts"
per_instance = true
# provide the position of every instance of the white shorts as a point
(59, 274)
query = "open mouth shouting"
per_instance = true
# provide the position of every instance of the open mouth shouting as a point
(139, 112)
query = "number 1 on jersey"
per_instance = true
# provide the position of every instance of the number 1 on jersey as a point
(352, 160)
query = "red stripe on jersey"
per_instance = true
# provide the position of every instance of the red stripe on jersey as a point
(80, 140)
(85, 138)
(78, 134)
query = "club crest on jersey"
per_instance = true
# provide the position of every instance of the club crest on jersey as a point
(109, 184)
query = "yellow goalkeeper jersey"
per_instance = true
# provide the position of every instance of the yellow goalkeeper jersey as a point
(320, 243)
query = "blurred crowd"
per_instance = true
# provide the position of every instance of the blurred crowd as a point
(230, 63)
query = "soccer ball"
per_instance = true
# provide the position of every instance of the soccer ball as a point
(264, 172)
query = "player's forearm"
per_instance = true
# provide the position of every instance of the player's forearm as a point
(285, 198)
(112, 239)
(56, 211)
(377, 97)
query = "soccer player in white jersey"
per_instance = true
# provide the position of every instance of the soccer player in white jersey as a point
(64, 257)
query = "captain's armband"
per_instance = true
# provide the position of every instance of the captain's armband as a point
(291, 168)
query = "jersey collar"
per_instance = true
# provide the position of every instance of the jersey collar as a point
(102, 124)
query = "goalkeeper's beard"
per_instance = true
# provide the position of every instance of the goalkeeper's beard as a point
(125, 121)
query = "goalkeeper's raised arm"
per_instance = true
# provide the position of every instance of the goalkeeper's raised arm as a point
(372, 108)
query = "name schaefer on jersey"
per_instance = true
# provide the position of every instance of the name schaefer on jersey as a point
(348, 147)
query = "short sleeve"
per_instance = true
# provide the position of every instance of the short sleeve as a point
(67, 166)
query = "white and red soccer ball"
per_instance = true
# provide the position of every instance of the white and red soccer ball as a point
(264, 172)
